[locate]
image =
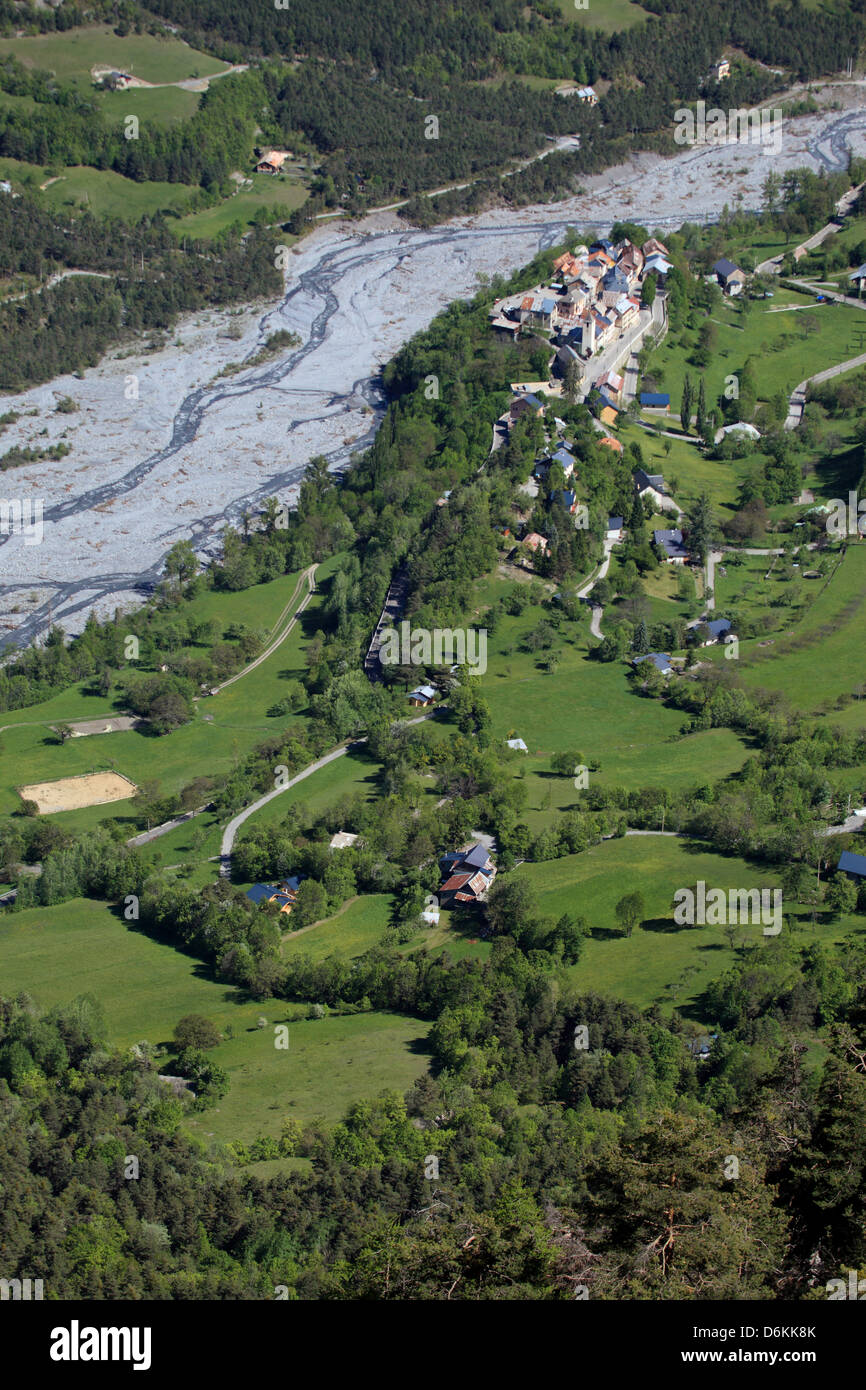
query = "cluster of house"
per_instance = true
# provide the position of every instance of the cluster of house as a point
(466, 876)
(593, 297)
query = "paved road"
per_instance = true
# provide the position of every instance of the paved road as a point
(234, 825)
(798, 395)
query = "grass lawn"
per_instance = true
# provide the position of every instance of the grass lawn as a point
(661, 962)
(588, 706)
(145, 987)
(821, 657)
(282, 195)
(329, 1064)
(71, 55)
(612, 16)
(237, 722)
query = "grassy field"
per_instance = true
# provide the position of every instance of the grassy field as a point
(275, 194)
(152, 105)
(821, 657)
(145, 987)
(787, 347)
(587, 706)
(99, 190)
(71, 55)
(237, 718)
(329, 1064)
(660, 963)
(611, 16)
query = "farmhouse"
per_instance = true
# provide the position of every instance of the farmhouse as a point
(272, 162)
(467, 875)
(660, 660)
(717, 629)
(423, 695)
(730, 276)
(671, 542)
(342, 840)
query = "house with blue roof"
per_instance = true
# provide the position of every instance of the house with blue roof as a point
(283, 895)
(660, 660)
(671, 542)
(854, 865)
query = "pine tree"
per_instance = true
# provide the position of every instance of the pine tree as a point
(686, 408)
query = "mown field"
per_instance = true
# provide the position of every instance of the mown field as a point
(71, 55)
(589, 707)
(145, 987)
(661, 963)
(225, 727)
(101, 191)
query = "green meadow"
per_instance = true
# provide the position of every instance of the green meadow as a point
(145, 987)
(223, 729)
(72, 55)
(660, 963)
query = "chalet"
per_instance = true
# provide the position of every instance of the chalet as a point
(729, 276)
(718, 628)
(660, 660)
(526, 405)
(423, 695)
(615, 528)
(467, 875)
(852, 865)
(272, 162)
(655, 400)
(671, 542)
(283, 894)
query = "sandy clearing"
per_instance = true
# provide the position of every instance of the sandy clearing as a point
(73, 793)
